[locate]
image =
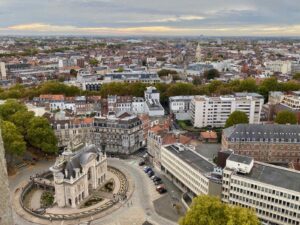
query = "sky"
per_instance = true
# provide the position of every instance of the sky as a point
(150, 17)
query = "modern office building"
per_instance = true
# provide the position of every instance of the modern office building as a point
(190, 171)
(214, 111)
(273, 192)
(272, 143)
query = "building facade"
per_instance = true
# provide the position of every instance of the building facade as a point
(76, 175)
(214, 111)
(123, 134)
(180, 106)
(2, 71)
(272, 143)
(190, 171)
(273, 192)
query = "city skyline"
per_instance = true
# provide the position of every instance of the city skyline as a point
(132, 17)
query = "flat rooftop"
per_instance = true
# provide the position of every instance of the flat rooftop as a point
(240, 159)
(189, 156)
(274, 175)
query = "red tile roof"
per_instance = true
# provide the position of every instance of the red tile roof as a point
(209, 135)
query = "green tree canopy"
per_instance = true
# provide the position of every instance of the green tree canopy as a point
(296, 76)
(41, 135)
(236, 117)
(93, 62)
(166, 72)
(286, 117)
(206, 210)
(211, 74)
(21, 120)
(10, 107)
(248, 85)
(14, 143)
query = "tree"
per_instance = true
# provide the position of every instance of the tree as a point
(236, 117)
(21, 120)
(206, 210)
(197, 80)
(211, 74)
(286, 117)
(41, 135)
(14, 143)
(296, 76)
(248, 85)
(93, 62)
(10, 107)
(73, 72)
(166, 72)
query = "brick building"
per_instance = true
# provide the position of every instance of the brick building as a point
(271, 143)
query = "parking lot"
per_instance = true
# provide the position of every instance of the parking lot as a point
(166, 204)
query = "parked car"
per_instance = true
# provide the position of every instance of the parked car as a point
(147, 169)
(153, 177)
(161, 189)
(151, 173)
(158, 182)
(156, 179)
(141, 163)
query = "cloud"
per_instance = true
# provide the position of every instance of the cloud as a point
(39, 28)
(166, 19)
(177, 17)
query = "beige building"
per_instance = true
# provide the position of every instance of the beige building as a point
(121, 134)
(272, 143)
(76, 175)
(190, 171)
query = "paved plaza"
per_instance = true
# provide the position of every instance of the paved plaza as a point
(139, 209)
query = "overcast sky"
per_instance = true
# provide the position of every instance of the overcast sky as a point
(151, 17)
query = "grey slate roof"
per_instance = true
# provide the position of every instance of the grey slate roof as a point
(266, 132)
(81, 158)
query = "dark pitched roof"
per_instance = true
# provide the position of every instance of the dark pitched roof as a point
(284, 133)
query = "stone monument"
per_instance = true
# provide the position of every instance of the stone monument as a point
(6, 217)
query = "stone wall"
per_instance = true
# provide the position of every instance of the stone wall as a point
(5, 201)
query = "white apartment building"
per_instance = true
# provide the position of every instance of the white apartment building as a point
(292, 100)
(2, 71)
(190, 171)
(152, 102)
(180, 106)
(272, 191)
(284, 67)
(214, 111)
(138, 105)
